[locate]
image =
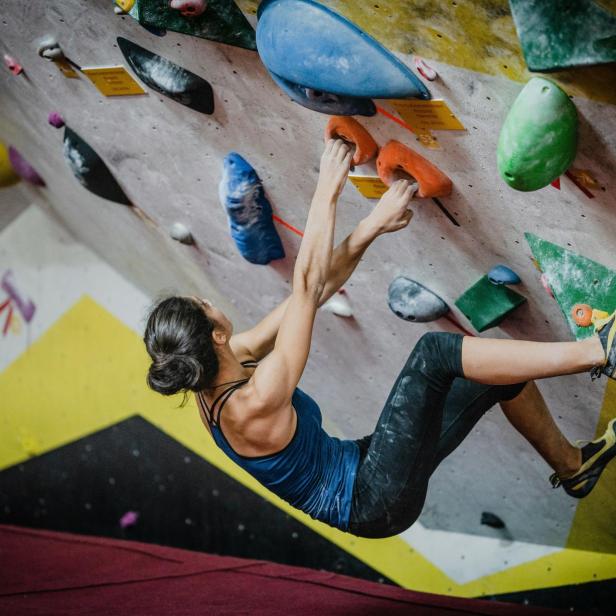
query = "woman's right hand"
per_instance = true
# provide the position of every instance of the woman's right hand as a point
(392, 212)
(334, 169)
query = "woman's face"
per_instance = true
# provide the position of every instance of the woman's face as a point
(216, 315)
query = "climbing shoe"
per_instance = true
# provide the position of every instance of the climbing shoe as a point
(606, 329)
(595, 457)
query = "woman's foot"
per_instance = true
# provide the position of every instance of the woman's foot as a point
(595, 457)
(606, 330)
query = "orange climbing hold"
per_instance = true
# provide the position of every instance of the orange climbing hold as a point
(582, 315)
(351, 130)
(396, 156)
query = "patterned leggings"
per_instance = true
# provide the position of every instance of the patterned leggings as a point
(429, 412)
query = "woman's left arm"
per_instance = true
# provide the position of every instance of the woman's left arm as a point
(391, 214)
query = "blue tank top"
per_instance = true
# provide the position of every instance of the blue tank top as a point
(315, 472)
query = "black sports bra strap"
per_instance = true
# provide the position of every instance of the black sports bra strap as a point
(222, 404)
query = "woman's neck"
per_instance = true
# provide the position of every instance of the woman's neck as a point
(230, 369)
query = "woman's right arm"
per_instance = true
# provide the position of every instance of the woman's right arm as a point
(278, 374)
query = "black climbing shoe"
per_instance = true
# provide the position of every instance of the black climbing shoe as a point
(606, 328)
(595, 457)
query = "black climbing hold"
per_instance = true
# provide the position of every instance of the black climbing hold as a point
(168, 78)
(492, 520)
(90, 169)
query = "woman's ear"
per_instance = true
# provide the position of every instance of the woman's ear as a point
(219, 336)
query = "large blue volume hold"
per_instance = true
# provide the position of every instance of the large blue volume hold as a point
(249, 212)
(308, 44)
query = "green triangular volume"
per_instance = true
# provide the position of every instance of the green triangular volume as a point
(574, 280)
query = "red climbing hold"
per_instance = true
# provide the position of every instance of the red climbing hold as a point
(351, 130)
(395, 156)
(424, 70)
(12, 64)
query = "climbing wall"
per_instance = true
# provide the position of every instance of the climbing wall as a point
(168, 160)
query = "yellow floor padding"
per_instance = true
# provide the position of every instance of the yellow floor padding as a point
(87, 372)
(594, 524)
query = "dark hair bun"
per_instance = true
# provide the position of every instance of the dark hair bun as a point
(173, 373)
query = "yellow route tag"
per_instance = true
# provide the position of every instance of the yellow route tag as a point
(113, 80)
(369, 186)
(430, 115)
(66, 69)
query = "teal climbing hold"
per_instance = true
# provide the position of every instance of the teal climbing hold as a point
(574, 279)
(557, 34)
(222, 21)
(501, 274)
(538, 140)
(485, 304)
(308, 44)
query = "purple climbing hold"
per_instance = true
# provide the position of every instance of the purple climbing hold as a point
(24, 169)
(55, 119)
(129, 519)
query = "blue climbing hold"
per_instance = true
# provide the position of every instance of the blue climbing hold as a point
(501, 274)
(325, 102)
(411, 301)
(306, 43)
(249, 212)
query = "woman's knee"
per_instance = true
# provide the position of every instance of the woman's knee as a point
(438, 351)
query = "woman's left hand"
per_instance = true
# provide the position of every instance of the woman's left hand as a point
(334, 169)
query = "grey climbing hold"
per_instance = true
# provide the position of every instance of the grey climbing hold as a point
(501, 274)
(181, 233)
(411, 301)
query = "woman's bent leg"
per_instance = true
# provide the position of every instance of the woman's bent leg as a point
(392, 478)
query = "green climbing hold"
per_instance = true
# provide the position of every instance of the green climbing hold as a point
(485, 304)
(538, 140)
(574, 280)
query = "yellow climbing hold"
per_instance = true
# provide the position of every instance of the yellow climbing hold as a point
(125, 5)
(8, 177)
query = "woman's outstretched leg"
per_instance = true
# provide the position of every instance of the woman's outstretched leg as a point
(505, 362)
(529, 415)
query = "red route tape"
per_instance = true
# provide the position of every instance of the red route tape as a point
(582, 188)
(284, 223)
(393, 118)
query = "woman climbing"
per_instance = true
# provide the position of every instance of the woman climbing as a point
(246, 386)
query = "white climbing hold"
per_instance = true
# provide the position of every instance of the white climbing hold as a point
(118, 10)
(338, 304)
(50, 48)
(181, 233)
